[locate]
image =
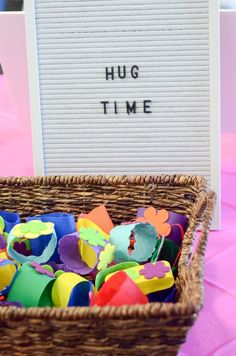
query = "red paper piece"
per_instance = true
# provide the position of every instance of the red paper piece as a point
(119, 290)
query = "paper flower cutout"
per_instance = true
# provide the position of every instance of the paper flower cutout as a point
(33, 229)
(151, 270)
(92, 236)
(40, 269)
(106, 257)
(157, 219)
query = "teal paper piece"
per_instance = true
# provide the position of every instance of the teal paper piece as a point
(43, 258)
(145, 237)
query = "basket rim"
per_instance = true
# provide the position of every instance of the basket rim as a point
(150, 310)
(175, 180)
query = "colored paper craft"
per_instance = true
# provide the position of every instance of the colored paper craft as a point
(144, 237)
(3, 243)
(153, 277)
(70, 289)
(178, 223)
(64, 224)
(92, 236)
(7, 272)
(117, 291)
(106, 257)
(10, 220)
(71, 257)
(100, 217)
(168, 252)
(85, 223)
(42, 239)
(100, 277)
(4, 303)
(31, 288)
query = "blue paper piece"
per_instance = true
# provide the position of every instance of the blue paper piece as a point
(10, 219)
(64, 224)
(80, 295)
(42, 258)
(145, 241)
(39, 244)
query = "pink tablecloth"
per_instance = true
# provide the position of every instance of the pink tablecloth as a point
(215, 330)
(214, 333)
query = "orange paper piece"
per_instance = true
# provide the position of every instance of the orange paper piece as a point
(157, 219)
(100, 217)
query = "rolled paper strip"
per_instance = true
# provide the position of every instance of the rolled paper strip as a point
(10, 304)
(100, 277)
(70, 254)
(119, 290)
(70, 289)
(31, 287)
(169, 252)
(101, 218)
(144, 241)
(178, 222)
(151, 277)
(7, 272)
(10, 220)
(46, 252)
(84, 223)
(64, 224)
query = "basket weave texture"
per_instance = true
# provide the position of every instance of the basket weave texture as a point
(152, 329)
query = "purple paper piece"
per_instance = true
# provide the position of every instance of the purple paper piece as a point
(10, 304)
(41, 270)
(21, 247)
(150, 270)
(174, 220)
(3, 243)
(71, 257)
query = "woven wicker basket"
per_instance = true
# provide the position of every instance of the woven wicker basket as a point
(153, 329)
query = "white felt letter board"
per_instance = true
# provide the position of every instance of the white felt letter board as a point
(124, 86)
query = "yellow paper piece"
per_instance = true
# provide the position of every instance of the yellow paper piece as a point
(87, 253)
(7, 272)
(63, 286)
(151, 285)
(85, 223)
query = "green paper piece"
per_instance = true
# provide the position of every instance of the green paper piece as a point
(59, 273)
(91, 235)
(132, 274)
(2, 224)
(31, 288)
(100, 277)
(145, 236)
(48, 268)
(169, 251)
(32, 229)
(106, 257)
